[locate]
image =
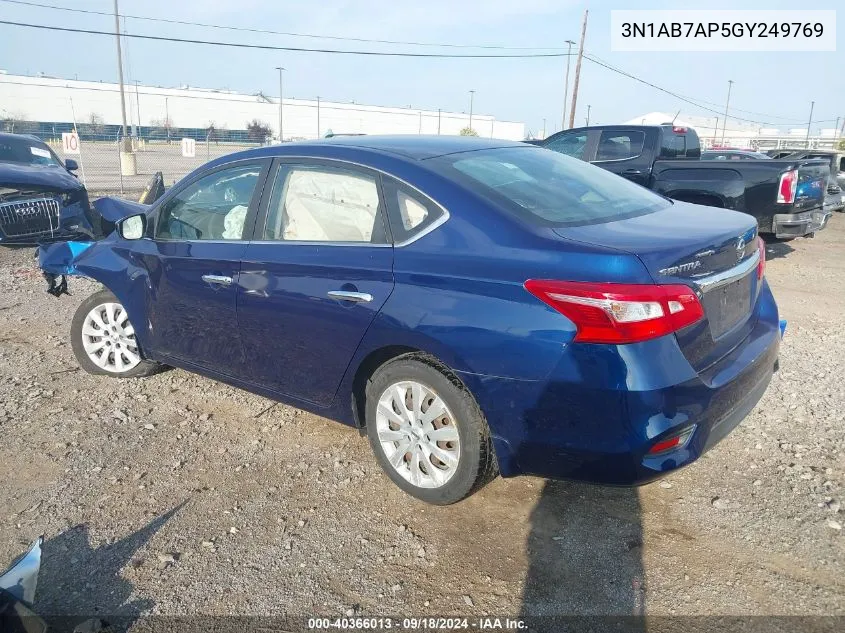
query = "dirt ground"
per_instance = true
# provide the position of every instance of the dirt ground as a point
(176, 494)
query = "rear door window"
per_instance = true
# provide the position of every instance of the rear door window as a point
(321, 203)
(615, 145)
(572, 144)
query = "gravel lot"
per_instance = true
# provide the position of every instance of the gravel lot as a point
(176, 494)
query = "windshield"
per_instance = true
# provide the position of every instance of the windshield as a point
(26, 151)
(548, 188)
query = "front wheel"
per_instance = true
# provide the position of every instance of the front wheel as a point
(103, 339)
(427, 432)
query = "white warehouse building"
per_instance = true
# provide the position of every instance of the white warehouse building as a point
(45, 99)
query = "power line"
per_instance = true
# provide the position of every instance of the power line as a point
(159, 38)
(270, 32)
(683, 98)
(773, 116)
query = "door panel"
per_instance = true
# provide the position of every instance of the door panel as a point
(298, 338)
(193, 263)
(308, 292)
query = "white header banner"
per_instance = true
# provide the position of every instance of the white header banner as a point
(723, 30)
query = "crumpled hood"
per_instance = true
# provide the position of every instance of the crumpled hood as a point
(16, 175)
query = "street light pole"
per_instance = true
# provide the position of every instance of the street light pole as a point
(471, 98)
(566, 84)
(318, 116)
(727, 103)
(588, 114)
(281, 106)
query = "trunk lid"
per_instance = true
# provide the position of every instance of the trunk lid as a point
(712, 250)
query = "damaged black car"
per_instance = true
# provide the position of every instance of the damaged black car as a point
(40, 199)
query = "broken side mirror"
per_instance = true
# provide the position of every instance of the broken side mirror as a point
(71, 165)
(132, 228)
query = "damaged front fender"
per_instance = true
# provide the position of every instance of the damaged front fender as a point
(57, 260)
(121, 266)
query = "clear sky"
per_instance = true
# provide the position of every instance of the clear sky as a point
(776, 87)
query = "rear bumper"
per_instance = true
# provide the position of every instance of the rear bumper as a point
(785, 225)
(600, 428)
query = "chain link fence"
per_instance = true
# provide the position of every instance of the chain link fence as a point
(102, 174)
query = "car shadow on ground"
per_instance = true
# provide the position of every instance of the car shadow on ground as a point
(585, 560)
(78, 582)
(775, 249)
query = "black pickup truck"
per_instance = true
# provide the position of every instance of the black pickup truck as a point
(786, 196)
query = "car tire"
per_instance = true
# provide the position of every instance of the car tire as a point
(464, 437)
(113, 353)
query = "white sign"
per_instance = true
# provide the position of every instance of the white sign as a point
(70, 142)
(189, 147)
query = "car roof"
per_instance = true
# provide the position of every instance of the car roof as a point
(9, 135)
(413, 147)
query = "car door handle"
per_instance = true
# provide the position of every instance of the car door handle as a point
(220, 280)
(356, 297)
(633, 172)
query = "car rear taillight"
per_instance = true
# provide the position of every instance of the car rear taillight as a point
(671, 443)
(787, 186)
(761, 265)
(619, 313)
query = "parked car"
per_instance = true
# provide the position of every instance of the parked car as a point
(786, 196)
(732, 154)
(834, 197)
(40, 198)
(472, 305)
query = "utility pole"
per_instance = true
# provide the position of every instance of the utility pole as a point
(727, 103)
(318, 116)
(167, 119)
(578, 71)
(281, 99)
(715, 130)
(544, 127)
(588, 115)
(438, 121)
(566, 84)
(126, 146)
(471, 98)
(809, 123)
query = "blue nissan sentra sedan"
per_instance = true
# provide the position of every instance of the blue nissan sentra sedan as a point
(475, 306)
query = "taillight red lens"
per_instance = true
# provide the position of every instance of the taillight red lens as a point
(619, 313)
(787, 186)
(761, 265)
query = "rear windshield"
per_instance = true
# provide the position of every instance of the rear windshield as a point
(547, 188)
(26, 151)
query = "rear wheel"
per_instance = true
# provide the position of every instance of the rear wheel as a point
(103, 339)
(427, 432)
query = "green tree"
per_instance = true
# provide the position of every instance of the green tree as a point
(468, 131)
